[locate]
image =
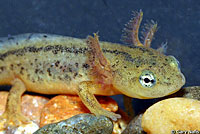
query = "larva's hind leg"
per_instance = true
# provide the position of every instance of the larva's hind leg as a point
(12, 117)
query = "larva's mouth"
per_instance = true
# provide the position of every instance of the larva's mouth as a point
(182, 83)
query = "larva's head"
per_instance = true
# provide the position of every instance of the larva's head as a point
(145, 73)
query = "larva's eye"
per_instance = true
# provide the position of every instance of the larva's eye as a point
(147, 79)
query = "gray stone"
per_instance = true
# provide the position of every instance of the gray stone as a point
(79, 124)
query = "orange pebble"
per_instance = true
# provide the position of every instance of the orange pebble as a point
(3, 98)
(32, 106)
(65, 106)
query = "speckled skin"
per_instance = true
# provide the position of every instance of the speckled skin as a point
(52, 64)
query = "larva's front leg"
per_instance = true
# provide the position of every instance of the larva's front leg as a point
(85, 93)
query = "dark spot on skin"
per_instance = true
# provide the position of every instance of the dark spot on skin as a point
(150, 66)
(11, 66)
(32, 49)
(36, 60)
(36, 71)
(75, 74)
(48, 48)
(54, 51)
(58, 47)
(57, 63)
(41, 72)
(86, 66)
(70, 69)
(80, 75)
(31, 63)
(113, 65)
(139, 60)
(76, 52)
(164, 64)
(2, 68)
(125, 66)
(153, 63)
(137, 66)
(49, 71)
(67, 77)
(19, 64)
(60, 78)
(17, 43)
(76, 64)
(21, 70)
(20, 52)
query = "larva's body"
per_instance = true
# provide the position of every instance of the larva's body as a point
(52, 64)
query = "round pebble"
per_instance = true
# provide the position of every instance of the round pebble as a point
(172, 114)
(80, 124)
(134, 127)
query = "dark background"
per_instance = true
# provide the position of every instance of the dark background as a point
(178, 21)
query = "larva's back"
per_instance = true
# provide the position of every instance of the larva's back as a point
(44, 61)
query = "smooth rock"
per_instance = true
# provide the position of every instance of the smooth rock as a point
(190, 92)
(134, 127)
(80, 124)
(172, 114)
